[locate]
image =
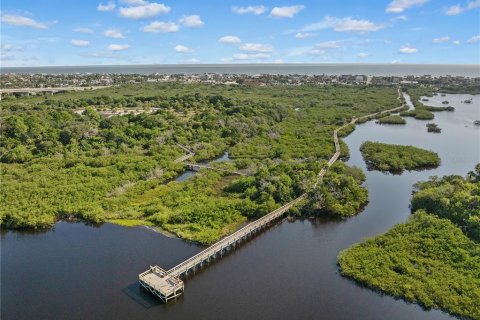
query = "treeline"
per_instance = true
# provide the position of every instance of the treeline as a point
(454, 198)
(422, 111)
(341, 193)
(394, 119)
(396, 158)
(211, 204)
(434, 258)
(57, 163)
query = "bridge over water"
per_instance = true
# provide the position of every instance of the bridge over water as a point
(167, 285)
(52, 90)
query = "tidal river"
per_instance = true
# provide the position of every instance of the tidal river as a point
(288, 272)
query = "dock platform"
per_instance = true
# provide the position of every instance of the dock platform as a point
(160, 283)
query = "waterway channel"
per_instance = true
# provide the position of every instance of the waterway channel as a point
(76, 271)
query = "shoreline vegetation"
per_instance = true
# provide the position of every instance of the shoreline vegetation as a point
(58, 163)
(341, 193)
(433, 127)
(422, 111)
(433, 259)
(394, 119)
(397, 158)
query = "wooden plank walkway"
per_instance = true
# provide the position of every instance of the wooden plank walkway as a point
(167, 284)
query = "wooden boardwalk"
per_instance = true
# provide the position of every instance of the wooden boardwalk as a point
(167, 285)
(185, 157)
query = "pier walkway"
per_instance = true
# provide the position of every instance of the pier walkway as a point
(167, 285)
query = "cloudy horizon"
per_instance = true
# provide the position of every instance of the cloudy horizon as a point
(147, 32)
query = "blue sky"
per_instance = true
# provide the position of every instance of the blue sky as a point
(87, 32)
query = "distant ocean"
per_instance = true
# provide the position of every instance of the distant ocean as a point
(435, 70)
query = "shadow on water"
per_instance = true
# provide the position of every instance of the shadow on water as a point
(287, 272)
(141, 296)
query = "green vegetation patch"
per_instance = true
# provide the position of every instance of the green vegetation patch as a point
(427, 260)
(433, 127)
(63, 156)
(419, 114)
(339, 194)
(37, 194)
(211, 204)
(392, 120)
(131, 222)
(434, 258)
(396, 158)
(454, 198)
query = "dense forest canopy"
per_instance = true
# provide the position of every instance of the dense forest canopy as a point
(396, 158)
(340, 194)
(454, 198)
(66, 155)
(395, 119)
(434, 258)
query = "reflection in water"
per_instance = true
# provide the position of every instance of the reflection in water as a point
(288, 272)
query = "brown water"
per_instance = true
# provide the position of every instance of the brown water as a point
(288, 272)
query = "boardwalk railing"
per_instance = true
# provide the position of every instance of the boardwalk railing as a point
(167, 284)
(231, 240)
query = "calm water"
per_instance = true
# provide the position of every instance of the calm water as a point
(288, 272)
(188, 173)
(251, 69)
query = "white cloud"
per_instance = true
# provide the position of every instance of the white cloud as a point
(346, 24)
(457, 9)
(135, 2)
(453, 10)
(118, 47)
(7, 57)
(192, 21)
(83, 30)
(398, 6)
(474, 39)
(456, 42)
(160, 26)
(80, 43)
(441, 39)
(7, 47)
(304, 35)
(10, 47)
(229, 40)
(144, 11)
(397, 18)
(256, 10)
(256, 47)
(106, 7)
(286, 12)
(182, 49)
(251, 56)
(329, 44)
(363, 55)
(191, 60)
(396, 61)
(317, 50)
(473, 4)
(408, 50)
(22, 21)
(113, 33)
